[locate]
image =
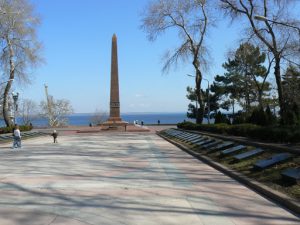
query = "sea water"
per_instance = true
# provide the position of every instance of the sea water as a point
(85, 119)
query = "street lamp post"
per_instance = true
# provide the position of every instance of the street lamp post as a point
(15, 99)
(265, 19)
(208, 101)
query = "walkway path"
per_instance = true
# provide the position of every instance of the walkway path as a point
(122, 178)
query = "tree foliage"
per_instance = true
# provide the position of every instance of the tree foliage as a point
(211, 102)
(244, 81)
(98, 117)
(276, 38)
(20, 49)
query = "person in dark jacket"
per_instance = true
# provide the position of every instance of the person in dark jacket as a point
(54, 135)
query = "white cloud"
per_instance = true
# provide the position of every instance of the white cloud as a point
(140, 95)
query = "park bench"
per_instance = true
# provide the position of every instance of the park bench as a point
(291, 174)
(249, 154)
(273, 160)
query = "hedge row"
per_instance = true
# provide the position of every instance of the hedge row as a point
(274, 133)
(5, 130)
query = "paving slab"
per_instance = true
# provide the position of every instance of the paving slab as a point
(198, 140)
(232, 150)
(272, 161)
(248, 154)
(292, 174)
(192, 138)
(205, 141)
(122, 178)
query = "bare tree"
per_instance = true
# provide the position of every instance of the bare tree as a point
(98, 117)
(277, 39)
(60, 109)
(28, 111)
(18, 42)
(190, 19)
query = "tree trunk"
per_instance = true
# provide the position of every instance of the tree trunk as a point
(279, 89)
(6, 117)
(233, 109)
(260, 93)
(200, 111)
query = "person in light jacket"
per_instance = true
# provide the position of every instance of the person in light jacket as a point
(17, 137)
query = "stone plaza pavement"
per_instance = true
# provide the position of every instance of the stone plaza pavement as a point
(122, 178)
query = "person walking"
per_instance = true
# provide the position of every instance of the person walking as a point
(17, 137)
(54, 135)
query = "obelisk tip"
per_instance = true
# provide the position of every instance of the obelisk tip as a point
(114, 37)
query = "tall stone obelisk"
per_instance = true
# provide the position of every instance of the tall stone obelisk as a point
(114, 115)
(114, 83)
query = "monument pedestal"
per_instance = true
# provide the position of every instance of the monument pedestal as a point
(115, 125)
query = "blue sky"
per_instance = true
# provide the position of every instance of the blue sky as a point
(76, 35)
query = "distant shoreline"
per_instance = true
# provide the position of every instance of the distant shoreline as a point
(84, 119)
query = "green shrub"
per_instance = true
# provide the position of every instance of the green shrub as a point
(242, 129)
(25, 128)
(187, 125)
(265, 133)
(5, 130)
(221, 118)
(271, 118)
(239, 118)
(258, 117)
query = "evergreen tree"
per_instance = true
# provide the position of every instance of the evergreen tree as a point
(291, 93)
(192, 107)
(245, 79)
